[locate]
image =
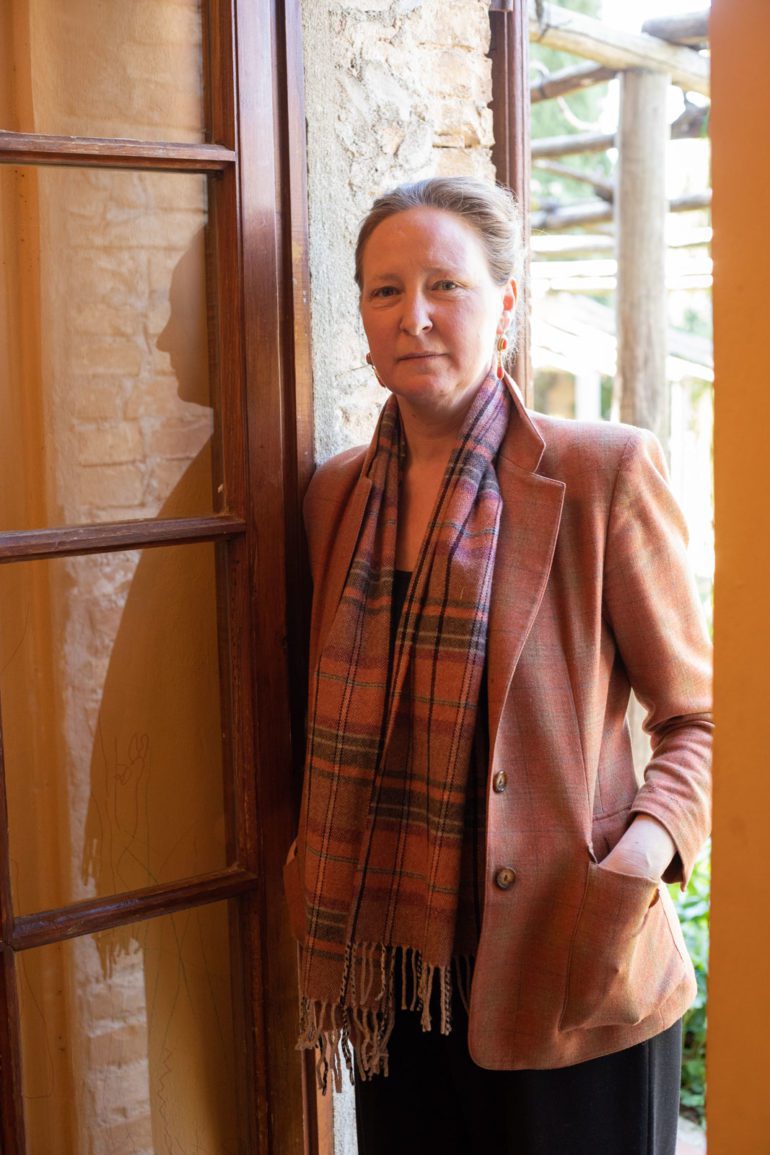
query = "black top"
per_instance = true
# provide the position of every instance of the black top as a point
(401, 579)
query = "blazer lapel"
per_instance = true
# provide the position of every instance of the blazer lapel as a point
(529, 525)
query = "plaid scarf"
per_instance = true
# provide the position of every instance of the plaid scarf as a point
(390, 744)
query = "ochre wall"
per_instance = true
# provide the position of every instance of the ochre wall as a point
(739, 1014)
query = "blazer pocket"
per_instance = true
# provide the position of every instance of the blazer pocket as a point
(623, 961)
(294, 891)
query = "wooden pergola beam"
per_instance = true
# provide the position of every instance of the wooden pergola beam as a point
(569, 80)
(597, 212)
(690, 28)
(568, 144)
(614, 48)
(691, 123)
(563, 246)
(604, 188)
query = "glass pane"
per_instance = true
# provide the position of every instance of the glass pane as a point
(105, 411)
(110, 696)
(127, 1040)
(86, 68)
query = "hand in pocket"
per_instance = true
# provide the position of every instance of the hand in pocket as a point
(622, 955)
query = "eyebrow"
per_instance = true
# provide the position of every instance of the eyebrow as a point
(433, 270)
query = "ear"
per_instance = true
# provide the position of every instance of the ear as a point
(510, 296)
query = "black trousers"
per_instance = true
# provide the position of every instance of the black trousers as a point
(436, 1101)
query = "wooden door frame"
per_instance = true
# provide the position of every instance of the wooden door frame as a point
(509, 53)
(276, 323)
(257, 247)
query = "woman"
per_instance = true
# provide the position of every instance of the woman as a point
(478, 880)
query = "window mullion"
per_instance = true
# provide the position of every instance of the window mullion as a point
(93, 915)
(111, 537)
(98, 152)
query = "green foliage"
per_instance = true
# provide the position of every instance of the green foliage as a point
(693, 910)
(698, 319)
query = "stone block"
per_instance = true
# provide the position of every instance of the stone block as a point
(106, 355)
(96, 399)
(110, 277)
(367, 6)
(121, 1046)
(112, 445)
(118, 1001)
(146, 508)
(122, 1093)
(456, 23)
(134, 1135)
(179, 191)
(98, 319)
(126, 229)
(464, 162)
(100, 485)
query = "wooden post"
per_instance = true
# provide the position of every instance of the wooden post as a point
(641, 206)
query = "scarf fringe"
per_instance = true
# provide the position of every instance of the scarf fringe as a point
(356, 1032)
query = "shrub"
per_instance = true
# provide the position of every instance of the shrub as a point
(693, 910)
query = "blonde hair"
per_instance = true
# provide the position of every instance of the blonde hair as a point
(490, 209)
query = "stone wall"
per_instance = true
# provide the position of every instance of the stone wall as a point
(395, 90)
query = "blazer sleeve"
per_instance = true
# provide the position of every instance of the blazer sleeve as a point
(654, 612)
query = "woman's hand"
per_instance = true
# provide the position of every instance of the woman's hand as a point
(646, 849)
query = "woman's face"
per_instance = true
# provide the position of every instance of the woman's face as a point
(430, 308)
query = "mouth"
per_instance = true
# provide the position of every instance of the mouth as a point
(419, 356)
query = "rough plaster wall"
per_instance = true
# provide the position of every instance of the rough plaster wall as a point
(395, 90)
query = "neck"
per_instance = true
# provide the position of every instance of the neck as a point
(429, 437)
(431, 432)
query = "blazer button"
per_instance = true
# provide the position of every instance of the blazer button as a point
(500, 781)
(505, 877)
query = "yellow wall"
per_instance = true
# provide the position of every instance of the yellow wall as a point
(739, 1020)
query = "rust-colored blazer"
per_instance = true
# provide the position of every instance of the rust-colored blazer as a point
(591, 595)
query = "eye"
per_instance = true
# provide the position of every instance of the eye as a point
(384, 291)
(446, 285)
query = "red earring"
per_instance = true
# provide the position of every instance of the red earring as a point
(502, 345)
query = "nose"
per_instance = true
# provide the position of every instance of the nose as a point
(415, 317)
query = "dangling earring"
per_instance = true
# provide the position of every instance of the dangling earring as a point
(373, 367)
(502, 345)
